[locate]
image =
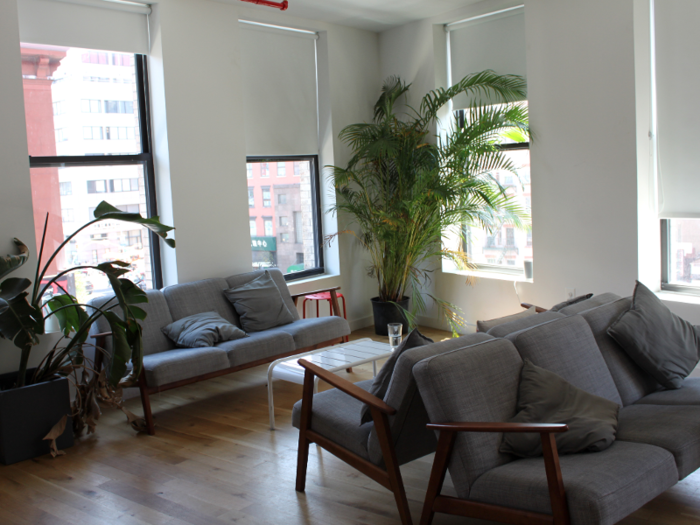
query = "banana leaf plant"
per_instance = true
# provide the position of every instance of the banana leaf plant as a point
(408, 191)
(23, 318)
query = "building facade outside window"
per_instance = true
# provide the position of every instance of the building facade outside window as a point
(267, 197)
(680, 255)
(281, 169)
(251, 197)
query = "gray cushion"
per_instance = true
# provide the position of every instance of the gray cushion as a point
(529, 321)
(544, 397)
(687, 394)
(259, 304)
(277, 276)
(569, 302)
(200, 296)
(596, 300)
(258, 346)
(380, 385)
(478, 383)
(632, 382)
(661, 343)
(674, 428)
(485, 326)
(182, 363)
(310, 332)
(567, 348)
(336, 416)
(601, 489)
(201, 330)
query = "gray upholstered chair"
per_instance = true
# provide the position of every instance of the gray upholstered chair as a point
(469, 394)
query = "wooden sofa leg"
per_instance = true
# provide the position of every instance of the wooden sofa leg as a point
(437, 475)
(305, 424)
(146, 403)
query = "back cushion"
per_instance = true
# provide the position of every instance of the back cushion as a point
(594, 301)
(277, 276)
(198, 297)
(503, 330)
(632, 382)
(567, 348)
(475, 384)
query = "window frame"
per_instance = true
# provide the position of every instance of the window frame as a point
(687, 289)
(319, 268)
(145, 159)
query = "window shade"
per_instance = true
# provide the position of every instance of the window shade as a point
(57, 23)
(496, 42)
(279, 86)
(677, 80)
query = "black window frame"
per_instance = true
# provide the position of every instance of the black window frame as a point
(145, 159)
(319, 268)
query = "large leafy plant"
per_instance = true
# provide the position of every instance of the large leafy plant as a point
(23, 309)
(408, 191)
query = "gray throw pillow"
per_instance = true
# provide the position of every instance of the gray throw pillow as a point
(383, 377)
(259, 304)
(485, 326)
(663, 345)
(544, 397)
(569, 302)
(200, 330)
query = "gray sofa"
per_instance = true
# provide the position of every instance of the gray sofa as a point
(166, 366)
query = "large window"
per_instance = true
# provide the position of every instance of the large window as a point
(291, 211)
(680, 263)
(90, 142)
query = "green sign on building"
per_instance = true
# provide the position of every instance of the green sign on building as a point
(263, 244)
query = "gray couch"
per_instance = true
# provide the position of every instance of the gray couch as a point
(166, 366)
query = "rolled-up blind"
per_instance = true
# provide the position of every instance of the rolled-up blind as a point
(96, 26)
(491, 42)
(678, 113)
(279, 88)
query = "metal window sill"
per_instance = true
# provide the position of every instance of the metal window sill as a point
(492, 274)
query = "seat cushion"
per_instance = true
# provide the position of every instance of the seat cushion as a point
(200, 296)
(567, 348)
(257, 346)
(336, 416)
(632, 382)
(176, 365)
(596, 300)
(601, 488)
(687, 394)
(524, 323)
(309, 332)
(674, 428)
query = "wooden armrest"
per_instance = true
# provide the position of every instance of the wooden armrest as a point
(540, 428)
(297, 295)
(349, 388)
(538, 309)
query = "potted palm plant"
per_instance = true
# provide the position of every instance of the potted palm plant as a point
(32, 401)
(407, 190)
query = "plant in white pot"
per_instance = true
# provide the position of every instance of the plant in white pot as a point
(406, 190)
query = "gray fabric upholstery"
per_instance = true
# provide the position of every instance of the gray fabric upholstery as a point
(569, 302)
(277, 276)
(259, 304)
(412, 439)
(674, 428)
(687, 394)
(336, 416)
(567, 348)
(154, 341)
(201, 330)
(594, 301)
(485, 326)
(182, 363)
(601, 487)
(478, 383)
(524, 323)
(631, 381)
(200, 296)
(258, 345)
(309, 332)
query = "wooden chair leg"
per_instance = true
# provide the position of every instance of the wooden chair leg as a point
(305, 424)
(437, 475)
(557, 495)
(381, 425)
(146, 403)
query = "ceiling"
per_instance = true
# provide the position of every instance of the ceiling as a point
(374, 15)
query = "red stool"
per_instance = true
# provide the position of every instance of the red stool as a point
(324, 296)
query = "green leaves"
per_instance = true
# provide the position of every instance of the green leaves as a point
(105, 210)
(71, 316)
(9, 263)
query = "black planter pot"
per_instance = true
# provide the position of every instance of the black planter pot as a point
(385, 313)
(27, 414)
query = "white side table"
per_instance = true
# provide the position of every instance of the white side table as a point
(333, 359)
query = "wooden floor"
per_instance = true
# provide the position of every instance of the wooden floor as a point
(215, 461)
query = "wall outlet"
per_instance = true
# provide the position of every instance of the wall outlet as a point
(570, 293)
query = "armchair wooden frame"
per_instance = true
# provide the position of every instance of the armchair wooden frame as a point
(435, 502)
(389, 478)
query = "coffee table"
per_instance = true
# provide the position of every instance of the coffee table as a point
(333, 359)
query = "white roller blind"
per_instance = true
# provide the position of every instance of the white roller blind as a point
(495, 42)
(57, 23)
(678, 81)
(279, 86)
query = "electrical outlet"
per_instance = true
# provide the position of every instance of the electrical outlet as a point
(570, 293)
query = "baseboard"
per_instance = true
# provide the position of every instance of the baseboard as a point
(363, 322)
